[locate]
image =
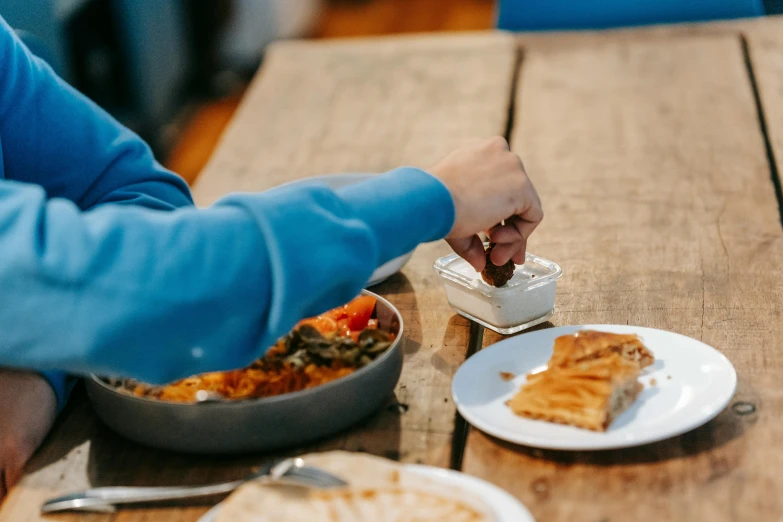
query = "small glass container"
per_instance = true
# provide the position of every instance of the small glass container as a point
(526, 300)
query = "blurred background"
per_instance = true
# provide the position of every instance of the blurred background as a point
(175, 70)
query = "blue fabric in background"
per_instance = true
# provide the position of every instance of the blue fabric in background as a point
(543, 15)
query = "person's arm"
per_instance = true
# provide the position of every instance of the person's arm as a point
(162, 295)
(44, 113)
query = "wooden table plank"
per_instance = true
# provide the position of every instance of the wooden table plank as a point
(765, 47)
(660, 207)
(359, 106)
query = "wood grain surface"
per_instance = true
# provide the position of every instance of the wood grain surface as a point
(660, 205)
(655, 152)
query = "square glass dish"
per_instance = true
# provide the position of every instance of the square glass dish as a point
(526, 300)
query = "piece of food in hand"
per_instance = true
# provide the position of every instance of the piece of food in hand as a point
(380, 491)
(497, 275)
(588, 395)
(586, 345)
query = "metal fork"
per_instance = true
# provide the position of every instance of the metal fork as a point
(292, 472)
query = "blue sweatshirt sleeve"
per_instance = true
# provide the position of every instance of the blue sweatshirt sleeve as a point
(162, 295)
(42, 112)
(168, 291)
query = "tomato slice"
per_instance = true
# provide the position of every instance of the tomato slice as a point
(347, 320)
(359, 312)
(325, 325)
(344, 327)
(337, 313)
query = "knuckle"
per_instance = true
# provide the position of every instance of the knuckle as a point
(513, 165)
(498, 142)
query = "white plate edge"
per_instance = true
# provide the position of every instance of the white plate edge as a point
(537, 444)
(458, 476)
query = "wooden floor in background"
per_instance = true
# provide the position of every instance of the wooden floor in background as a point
(340, 19)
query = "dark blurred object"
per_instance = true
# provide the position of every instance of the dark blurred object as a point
(773, 7)
(39, 22)
(535, 15)
(131, 57)
(145, 60)
(340, 3)
(153, 36)
(97, 63)
(208, 19)
(254, 24)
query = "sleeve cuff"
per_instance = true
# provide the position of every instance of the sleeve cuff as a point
(61, 384)
(404, 207)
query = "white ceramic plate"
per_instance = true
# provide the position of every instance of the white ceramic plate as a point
(336, 181)
(507, 508)
(388, 269)
(693, 382)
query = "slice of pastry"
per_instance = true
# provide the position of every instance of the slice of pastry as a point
(586, 345)
(589, 395)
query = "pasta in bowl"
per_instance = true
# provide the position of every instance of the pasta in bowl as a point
(327, 374)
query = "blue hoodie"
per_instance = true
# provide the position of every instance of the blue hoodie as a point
(107, 267)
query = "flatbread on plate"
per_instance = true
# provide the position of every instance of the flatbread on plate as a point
(380, 491)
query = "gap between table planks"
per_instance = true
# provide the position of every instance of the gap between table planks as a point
(659, 174)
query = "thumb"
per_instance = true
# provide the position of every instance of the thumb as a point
(471, 249)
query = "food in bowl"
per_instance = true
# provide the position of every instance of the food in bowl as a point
(318, 350)
(233, 426)
(591, 378)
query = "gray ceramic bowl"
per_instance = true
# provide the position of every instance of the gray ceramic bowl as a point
(256, 424)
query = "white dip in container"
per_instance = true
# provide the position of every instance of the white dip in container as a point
(526, 300)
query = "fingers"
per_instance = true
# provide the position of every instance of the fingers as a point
(527, 221)
(502, 252)
(506, 233)
(471, 249)
(519, 257)
(511, 240)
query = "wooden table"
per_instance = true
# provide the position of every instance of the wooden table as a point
(656, 153)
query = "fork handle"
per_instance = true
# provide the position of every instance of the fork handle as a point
(101, 497)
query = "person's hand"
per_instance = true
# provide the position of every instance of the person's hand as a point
(28, 408)
(489, 185)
